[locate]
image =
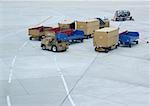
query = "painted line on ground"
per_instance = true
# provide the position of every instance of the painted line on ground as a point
(13, 62)
(10, 76)
(24, 44)
(11, 69)
(64, 82)
(8, 101)
(10, 34)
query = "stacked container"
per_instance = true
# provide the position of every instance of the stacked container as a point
(88, 26)
(66, 24)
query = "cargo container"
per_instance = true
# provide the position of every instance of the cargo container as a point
(37, 32)
(106, 39)
(88, 26)
(56, 30)
(53, 30)
(66, 24)
(103, 23)
(107, 23)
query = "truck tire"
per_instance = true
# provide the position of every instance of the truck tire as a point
(137, 42)
(130, 45)
(116, 46)
(54, 48)
(43, 47)
(81, 40)
(106, 50)
(30, 38)
(40, 38)
(95, 48)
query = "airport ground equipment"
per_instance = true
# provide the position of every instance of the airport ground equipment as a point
(37, 32)
(88, 26)
(106, 39)
(54, 44)
(122, 15)
(128, 38)
(103, 22)
(75, 36)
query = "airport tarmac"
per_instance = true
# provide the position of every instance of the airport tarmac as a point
(80, 76)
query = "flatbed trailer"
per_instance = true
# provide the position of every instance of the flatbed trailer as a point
(127, 38)
(75, 36)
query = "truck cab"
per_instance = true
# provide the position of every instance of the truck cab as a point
(51, 43)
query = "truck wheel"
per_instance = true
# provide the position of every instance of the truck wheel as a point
(116, 46)
(86, 37)
(95, 48)
(137, 42)
(54, 48)
(40, 38)
(106, 50)
(130, 45)
(43, 47)
(30, 38)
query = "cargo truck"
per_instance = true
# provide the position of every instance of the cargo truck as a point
(106, 39)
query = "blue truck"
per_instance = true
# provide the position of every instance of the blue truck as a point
(127, 38)
(75, 36)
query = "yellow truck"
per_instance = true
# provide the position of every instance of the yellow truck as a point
(50, 42)
(106, 39)
(88, 26)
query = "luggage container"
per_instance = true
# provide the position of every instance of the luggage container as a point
(127, 38)
(88, 26)
(37, 32)
(53, 30)
(106, 39)
(103, 23)
(66, 24)
(57, 29)
(107, 23)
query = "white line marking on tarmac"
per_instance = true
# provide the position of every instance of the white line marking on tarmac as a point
(10, 76)
(64, 82)
(11, 69)
(8, 101)
(13, 62)
(23, 45)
